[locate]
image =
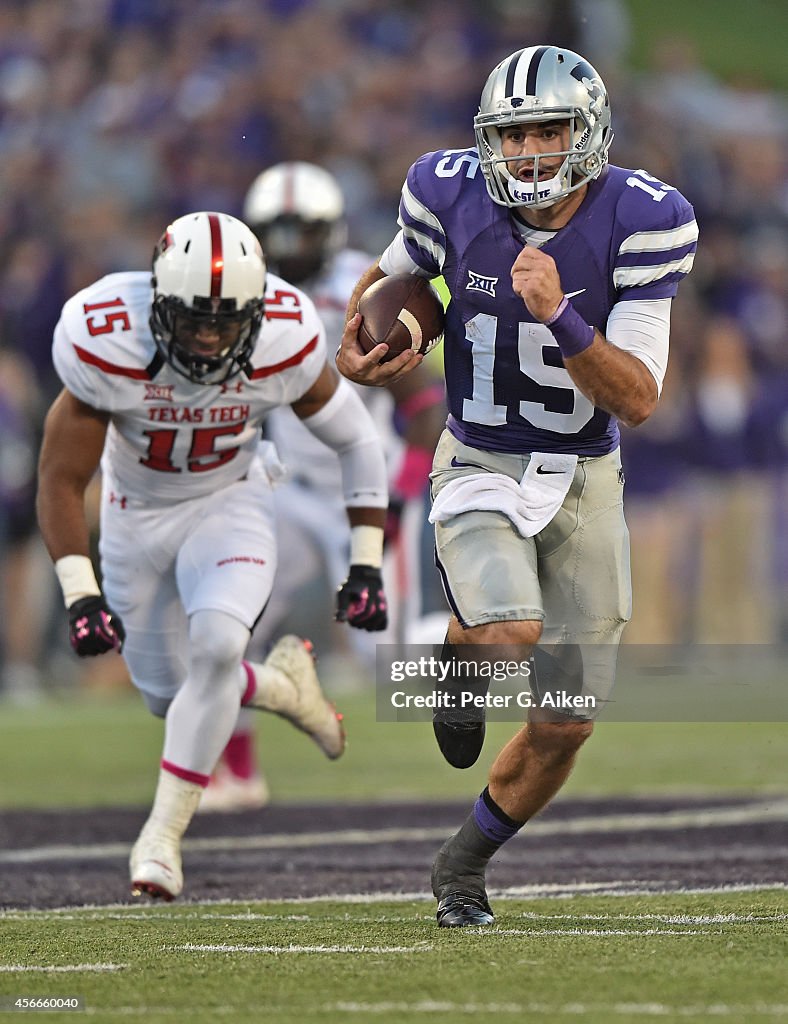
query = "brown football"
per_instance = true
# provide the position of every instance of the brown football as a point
(403, 310)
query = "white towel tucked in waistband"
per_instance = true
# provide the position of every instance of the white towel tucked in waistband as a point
(530, 505)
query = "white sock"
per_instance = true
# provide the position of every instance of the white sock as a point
(173, 806)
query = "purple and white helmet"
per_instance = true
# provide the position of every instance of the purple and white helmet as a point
(543, 83)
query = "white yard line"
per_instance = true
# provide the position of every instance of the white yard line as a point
(629, 887)
(534, 892)
(155, 913)
(759, 813)
(549, 1011)
(294, 948)
(60, 968)
(599, 932)
(545, 1011)
(662, 918)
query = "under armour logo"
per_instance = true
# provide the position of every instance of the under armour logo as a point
(480, 283)
(237, 387)
(119, 499)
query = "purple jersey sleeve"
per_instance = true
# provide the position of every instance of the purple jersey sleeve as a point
(431, 190)
(507, 387)
(656, 235)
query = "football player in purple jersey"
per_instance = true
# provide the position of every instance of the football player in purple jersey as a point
(561, 269)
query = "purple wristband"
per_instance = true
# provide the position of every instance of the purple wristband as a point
(570, 330)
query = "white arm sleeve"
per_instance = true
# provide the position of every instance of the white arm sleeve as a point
(345, 425)
(395, 260)
(642, 327)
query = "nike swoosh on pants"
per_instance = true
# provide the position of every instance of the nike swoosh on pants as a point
(465, 465)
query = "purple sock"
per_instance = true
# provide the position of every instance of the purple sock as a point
(494, 823)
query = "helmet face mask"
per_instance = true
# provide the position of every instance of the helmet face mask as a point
(535, 85)
(183, 331)
(208, 305)
(297, 248)
(297, 211)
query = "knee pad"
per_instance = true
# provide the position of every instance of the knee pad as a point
(216, 641)
(573, 681)
(156, 705)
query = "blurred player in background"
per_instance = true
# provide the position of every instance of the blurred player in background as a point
(167, 382)
(297, 211)
(23, 618)
(561, 271)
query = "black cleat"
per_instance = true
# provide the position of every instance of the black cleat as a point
(460, 742)
(458, 884)
(464, 910)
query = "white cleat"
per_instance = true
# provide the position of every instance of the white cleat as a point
(155, 867)
(308, 710)
(227, 792)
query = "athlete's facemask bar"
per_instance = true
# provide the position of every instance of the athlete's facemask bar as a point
(297, 249)
(539, 84)
(578, 165)
(176, 326)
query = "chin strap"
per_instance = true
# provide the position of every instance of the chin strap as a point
(541, 193)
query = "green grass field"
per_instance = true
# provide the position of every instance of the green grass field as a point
(84, 752)
(739, 42)
(689, 958)
(679, 957)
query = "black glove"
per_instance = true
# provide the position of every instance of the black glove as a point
(94, 628)
(361, 601)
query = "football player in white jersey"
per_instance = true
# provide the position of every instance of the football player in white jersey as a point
(297, 211)
(166, 384)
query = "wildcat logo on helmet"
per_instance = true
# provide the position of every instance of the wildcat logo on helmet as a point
(540, 83)
(480, 283)
(588, 77)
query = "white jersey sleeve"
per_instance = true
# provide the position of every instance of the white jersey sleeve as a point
(102, 346)
(310, 461)
(331, 290)
(291, 351)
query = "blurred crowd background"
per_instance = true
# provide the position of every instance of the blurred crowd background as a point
(119, 115)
